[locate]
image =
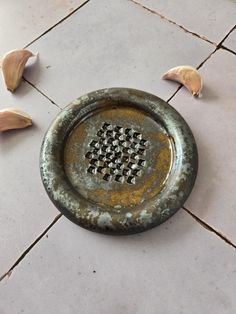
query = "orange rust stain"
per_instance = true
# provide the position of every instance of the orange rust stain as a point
(129, 113)
(131, 196)
(79, 132)
(77, 136)
(148, 186)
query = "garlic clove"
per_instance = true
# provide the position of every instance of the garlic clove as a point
(11, 118)
(186, 75)
(13, 64)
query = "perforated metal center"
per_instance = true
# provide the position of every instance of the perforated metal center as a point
(117, 154)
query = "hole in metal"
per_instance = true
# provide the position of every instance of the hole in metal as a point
(117, 154)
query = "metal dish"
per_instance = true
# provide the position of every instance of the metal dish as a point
(118, 161)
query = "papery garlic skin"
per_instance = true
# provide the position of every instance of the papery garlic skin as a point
(186, 75)
(11, 118)
(13, 64)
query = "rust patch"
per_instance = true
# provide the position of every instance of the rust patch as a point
(135, 138)
(120, 195)
(147, 188)
(126, 113)
(77, 136)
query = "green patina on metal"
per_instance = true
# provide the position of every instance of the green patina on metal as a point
(118, 161)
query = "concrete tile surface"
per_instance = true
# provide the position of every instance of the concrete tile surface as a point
(179, 267)
(24, 207)
(23, 21)
(230, 42)
(212, 119)
(112, 44)
(212, 19)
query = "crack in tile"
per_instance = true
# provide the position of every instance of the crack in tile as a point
(174, 23)
(56, 24)
(38, 90)
(210, 228)
(23, 255)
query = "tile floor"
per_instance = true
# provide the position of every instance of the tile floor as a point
(230, 41)
(187, 265)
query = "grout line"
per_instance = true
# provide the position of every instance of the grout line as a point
(219, 46)
(48, 30)
(174, 23)
(226, 36)
(177, 90)
(31, 84)
(209, 228)
(206, 59)
(204, 224)
(227, 49)
(198, 67)
(200, 221)
(62, 20)
(8, 273)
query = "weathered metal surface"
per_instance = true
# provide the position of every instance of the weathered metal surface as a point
(118, 161)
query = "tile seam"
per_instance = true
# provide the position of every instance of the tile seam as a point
(43, 94)
(56, 24)
(204, 38)
(210, 228)
(29, 248)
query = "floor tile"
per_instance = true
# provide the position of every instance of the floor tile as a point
(23, 21)
(230, 42)
(212, 19)
(109, 44)
(25, 210)
(178, 267)
(212, 119)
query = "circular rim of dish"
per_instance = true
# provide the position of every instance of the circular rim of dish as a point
(156, 210)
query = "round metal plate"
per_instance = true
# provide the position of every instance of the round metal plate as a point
(118, 161)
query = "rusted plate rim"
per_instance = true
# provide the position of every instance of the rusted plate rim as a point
(155, 211)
